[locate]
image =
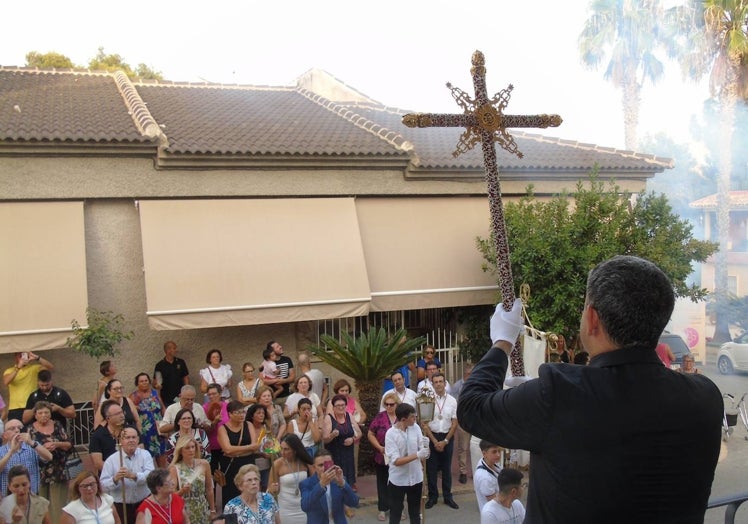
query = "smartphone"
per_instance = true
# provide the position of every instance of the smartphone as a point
(25, 356)
(328, 464)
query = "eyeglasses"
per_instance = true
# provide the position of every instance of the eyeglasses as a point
(189, 399)
(249, 370)
(90, 485)
(390, 404)
(238, 412)
(429, 352)
(339, 406)
(115, 414)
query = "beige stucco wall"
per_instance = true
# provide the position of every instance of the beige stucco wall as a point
(110, 187)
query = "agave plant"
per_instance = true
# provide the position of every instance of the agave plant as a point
(368, 360)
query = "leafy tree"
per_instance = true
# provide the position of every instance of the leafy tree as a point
(115, 62)
(627, 35)
(101, 336)
(555, 243)
(711, 36)
(48, 60)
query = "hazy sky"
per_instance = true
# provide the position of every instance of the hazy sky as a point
(400, 53)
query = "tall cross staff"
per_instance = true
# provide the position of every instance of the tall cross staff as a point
(485, 122)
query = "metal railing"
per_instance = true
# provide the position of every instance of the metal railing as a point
(732, 502)
(81, 427)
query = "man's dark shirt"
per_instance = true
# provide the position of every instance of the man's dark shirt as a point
(172, 378)
(102, 442)
(56, 396)
(624, 439)
(285, 365)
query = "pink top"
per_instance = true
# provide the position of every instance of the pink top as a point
(213, 433)
(662, 352)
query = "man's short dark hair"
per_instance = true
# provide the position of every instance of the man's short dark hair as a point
(633, 299)
(44, 375)
(403, 411)
(104, 409)
(509, 478)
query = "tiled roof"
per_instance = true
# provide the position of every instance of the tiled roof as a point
(48, 106)
(251, 120)
(434, 147)
(737, 199)
(206, 122)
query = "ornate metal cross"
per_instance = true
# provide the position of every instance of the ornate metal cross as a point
(486, 123)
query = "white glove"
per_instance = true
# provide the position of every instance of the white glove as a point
(423, 453)
(506, 325)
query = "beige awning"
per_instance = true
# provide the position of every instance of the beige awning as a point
(211, 263)
(43, 272)
(421, 252)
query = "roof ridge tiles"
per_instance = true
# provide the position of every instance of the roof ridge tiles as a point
(391, 137)
(138, 110)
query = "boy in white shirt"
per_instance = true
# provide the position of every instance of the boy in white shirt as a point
(505, 507)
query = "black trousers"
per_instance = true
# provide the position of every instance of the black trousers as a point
(440, 461)
(383, 496)
(398, 494)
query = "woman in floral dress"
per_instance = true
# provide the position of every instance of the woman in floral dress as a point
(50, 434)
(193, 481)
(150, 411)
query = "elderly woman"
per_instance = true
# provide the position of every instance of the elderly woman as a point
(50, 434)
(192, 477)
(339, 433)
(382, 421)
(252, 506)
(150, 411)
(22, 505)
(88, 504)
(352, 405)
(163, 506)
(689, 366)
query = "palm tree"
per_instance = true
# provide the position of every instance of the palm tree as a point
(627, 32)
(368, 360)
(711, 36)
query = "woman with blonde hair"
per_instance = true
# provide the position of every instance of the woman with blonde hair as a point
(88, 504)
(192, 478)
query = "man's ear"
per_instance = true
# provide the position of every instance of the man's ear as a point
(592, 320)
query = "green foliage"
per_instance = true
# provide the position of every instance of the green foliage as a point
(555, 243)
(48, 60)
(115, 62)
(370, 357)
(476, 340)
(100, 338)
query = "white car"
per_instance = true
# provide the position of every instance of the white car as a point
(733, 355)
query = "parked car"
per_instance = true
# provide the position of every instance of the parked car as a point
(733, 355)
(677, 345)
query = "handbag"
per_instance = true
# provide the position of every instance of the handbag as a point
(219, 477)
(73, 464)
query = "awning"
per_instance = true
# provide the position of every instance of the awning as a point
(42, 274)
(211, 263)
(421, 252)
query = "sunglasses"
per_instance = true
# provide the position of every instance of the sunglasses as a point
(390, 404)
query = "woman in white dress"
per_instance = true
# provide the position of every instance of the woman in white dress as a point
(302, 389)
(89, 505)
(216, 373)
(288, 471)
(306, 428)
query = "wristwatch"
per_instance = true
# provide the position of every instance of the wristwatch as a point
(34, 444)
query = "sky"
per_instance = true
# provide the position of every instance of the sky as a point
(400, 53)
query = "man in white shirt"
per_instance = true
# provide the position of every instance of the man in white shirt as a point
(132, 468)
(486, 475)
(440, 432)
(406, 395)
(505, 507)
(405, 449)
(186, 401)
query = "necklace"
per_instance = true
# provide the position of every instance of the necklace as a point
(95, 511)
(440, 408)
(163, 510)
(295, 475)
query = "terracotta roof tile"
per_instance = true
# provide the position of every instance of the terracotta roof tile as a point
(63, 106)
(737, 199)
